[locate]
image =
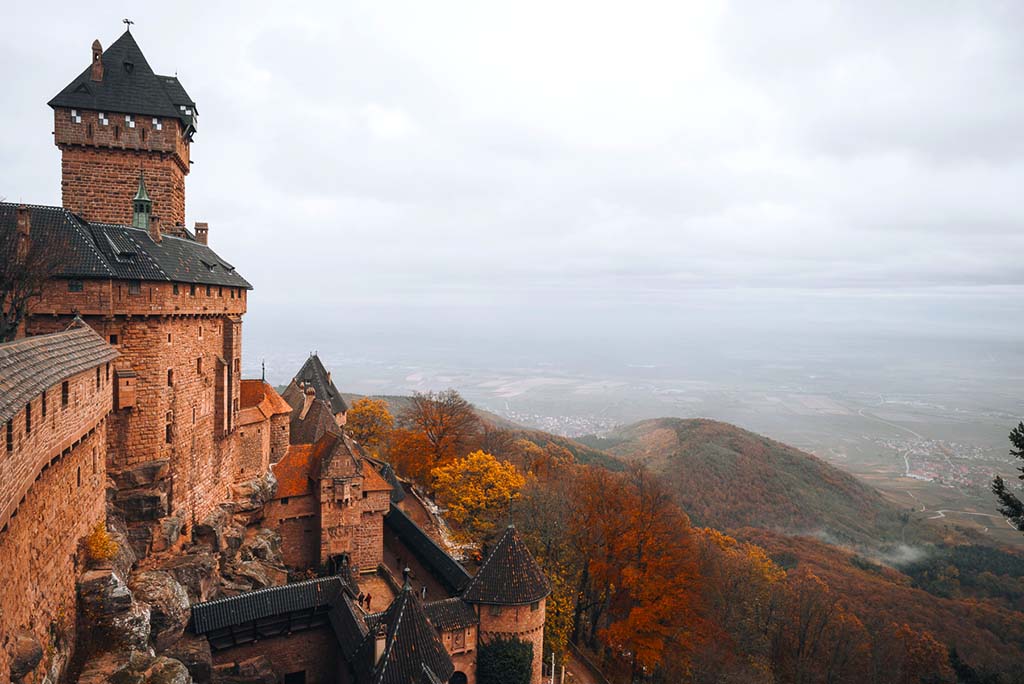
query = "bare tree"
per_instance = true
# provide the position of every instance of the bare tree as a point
(448, 422)
(25, 266)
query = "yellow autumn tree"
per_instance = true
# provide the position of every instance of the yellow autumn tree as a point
(477, 490)
(370, 423)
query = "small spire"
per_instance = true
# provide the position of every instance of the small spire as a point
(141, 193)
(407, 584)
(127, 24)
(263, 364)
(142, 206)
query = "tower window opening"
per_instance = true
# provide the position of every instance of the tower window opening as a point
(65, 394)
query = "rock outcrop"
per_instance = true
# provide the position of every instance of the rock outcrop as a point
(26, 652)
(169, 607)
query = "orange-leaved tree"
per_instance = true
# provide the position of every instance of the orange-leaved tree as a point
(370, 423)
(477, 490)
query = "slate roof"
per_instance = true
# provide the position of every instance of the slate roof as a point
(397, 490)
(32, 364)
(451, 614)
(129, 86)
(314, 373)
(412, 647)
(318, 421)
(103, 250)
(437, 561)
(509, 575)
(261, 603)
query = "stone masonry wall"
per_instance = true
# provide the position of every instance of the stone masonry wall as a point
(313, 651)
(520, 622)
(39, 544)
(253, 450)
(280, 426)
(298, 523)
(190, 347)
(464, 658)
(100, 165)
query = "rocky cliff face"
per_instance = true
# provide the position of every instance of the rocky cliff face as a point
(135, 612)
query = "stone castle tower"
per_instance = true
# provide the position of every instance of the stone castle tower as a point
(510, 594)
(117, 118)
(151, 288)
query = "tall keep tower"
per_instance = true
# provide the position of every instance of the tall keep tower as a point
(116, 119)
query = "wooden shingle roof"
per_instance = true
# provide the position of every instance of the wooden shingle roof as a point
(32, 364)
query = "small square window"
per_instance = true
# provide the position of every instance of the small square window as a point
(75, 286)
(113, 340)
(134, 287)
(535, 606)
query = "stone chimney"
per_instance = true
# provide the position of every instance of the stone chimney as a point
(202, 232)
(379, 642)
(97, 61)
(154, 229)
(307, 401)
(24, 223)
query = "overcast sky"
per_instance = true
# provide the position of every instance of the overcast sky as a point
(544, 163)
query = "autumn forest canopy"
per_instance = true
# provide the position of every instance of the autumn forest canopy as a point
(652, 596)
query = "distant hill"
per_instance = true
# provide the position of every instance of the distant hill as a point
(727, 477)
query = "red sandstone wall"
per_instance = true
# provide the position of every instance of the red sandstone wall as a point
(51, 435)
(315, 651)
(200, 455)
(464, 659)
(39, 545)
(112, 298)
(100, 165)
(520, 622)
(279, 436)
(298, 523)
(252, 450)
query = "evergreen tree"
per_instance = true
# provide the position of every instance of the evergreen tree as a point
(504, 661)
(1010, 506)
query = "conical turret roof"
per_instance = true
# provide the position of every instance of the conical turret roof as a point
(413, 651)
(510, 575)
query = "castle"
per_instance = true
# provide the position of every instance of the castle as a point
(123, 403)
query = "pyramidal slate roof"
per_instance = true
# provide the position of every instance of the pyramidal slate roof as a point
(129, 86)
(314, 373)
(32, 364)
(509, 575)
(413, 652)
(104, 250)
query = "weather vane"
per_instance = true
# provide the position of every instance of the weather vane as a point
(128, 23)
